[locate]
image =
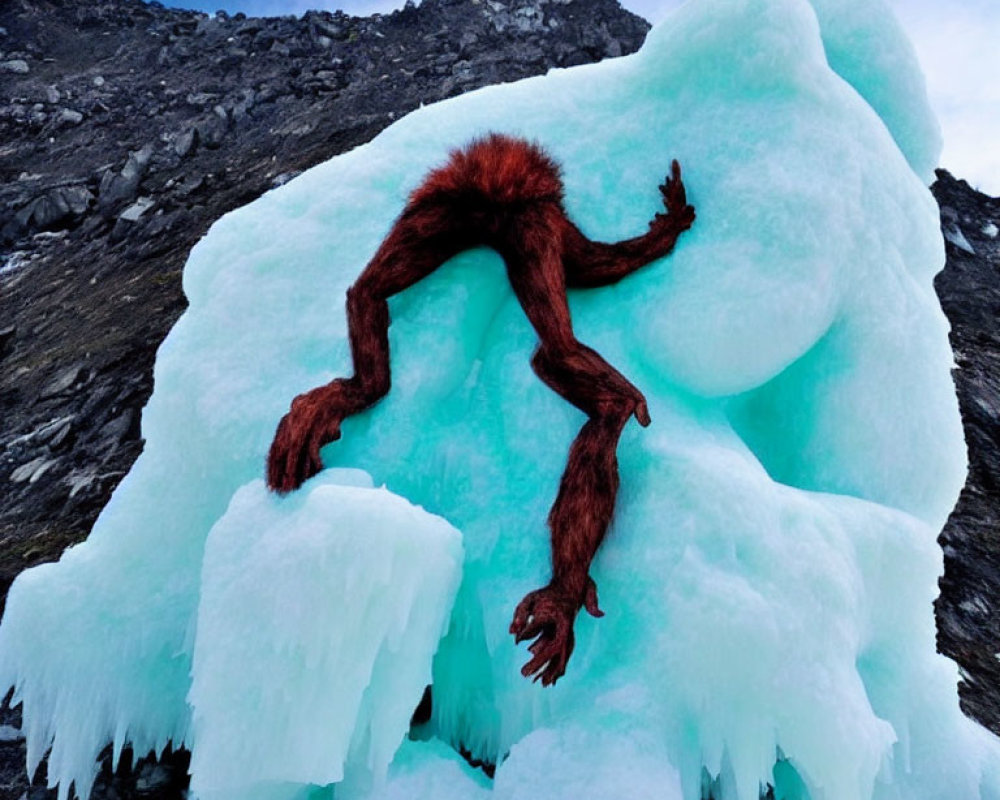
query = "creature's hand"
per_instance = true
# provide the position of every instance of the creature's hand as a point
(548, 613)
(680, 215)
(313, 421)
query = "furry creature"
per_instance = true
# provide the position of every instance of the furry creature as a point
(504, 193)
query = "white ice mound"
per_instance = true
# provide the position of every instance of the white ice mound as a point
(769, 575)
(319, 616)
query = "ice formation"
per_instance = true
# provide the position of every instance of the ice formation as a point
(280, 579)
(769, 576)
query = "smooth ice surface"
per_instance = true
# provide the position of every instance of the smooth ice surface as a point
(319, 616)
(769, 575)
(867, 46)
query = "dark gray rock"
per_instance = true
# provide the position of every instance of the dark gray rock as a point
(33, 470)
(63, 436)
(55, 209)
(186, 142)
(66, 382)
(968, 610)
(212, 129)
(201, 99)
(120, 428)
(250, 28)
(16, 66)
(55, 429)
(69, 116)
(78, 198)
(45, 212)
(7, 337)
(120, 187)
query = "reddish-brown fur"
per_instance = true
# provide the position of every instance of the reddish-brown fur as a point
(504, 193)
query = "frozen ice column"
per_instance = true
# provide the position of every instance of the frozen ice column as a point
(320, 614)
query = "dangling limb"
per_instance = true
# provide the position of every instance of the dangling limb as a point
(578, 521)
(590, 264)
(424, 237)
(585, 503)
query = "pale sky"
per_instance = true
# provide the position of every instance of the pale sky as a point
(957, 42)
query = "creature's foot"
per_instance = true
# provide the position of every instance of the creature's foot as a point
(313, 421)
(679, 216)
(549, 613)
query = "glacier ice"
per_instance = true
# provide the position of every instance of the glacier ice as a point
(769, 576)
(279, 576)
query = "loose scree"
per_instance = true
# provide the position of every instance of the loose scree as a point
(504, 193)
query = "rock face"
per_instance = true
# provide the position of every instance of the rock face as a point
(969, 288)
(125, 131)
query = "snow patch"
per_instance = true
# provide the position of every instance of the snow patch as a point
(954, 235)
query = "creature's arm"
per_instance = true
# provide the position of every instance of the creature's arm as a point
(420, 240)
(583, 508)
(590, 264)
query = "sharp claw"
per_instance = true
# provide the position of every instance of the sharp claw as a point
(529, 632)
(590, 600)
(554, 671)
(534, 666)
(521, 616)
(642, 414)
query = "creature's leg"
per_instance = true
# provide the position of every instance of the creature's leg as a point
(424, 237)
(590, 263)
(586, 499)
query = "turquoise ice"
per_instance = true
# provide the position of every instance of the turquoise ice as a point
(769, 575)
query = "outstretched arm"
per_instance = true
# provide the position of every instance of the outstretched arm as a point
(423, 237)
(589, 263)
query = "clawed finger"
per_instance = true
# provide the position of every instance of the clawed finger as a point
(673, 191)
(521, 615)
(312, 461)
(554, 668)
(530, 632)
(550, 652)
(544, 652)
(277, 459)
(642, 413)
(554, 671)
(590, 600)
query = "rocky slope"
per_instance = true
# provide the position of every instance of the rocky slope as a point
(969, 288)
(126, 129)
